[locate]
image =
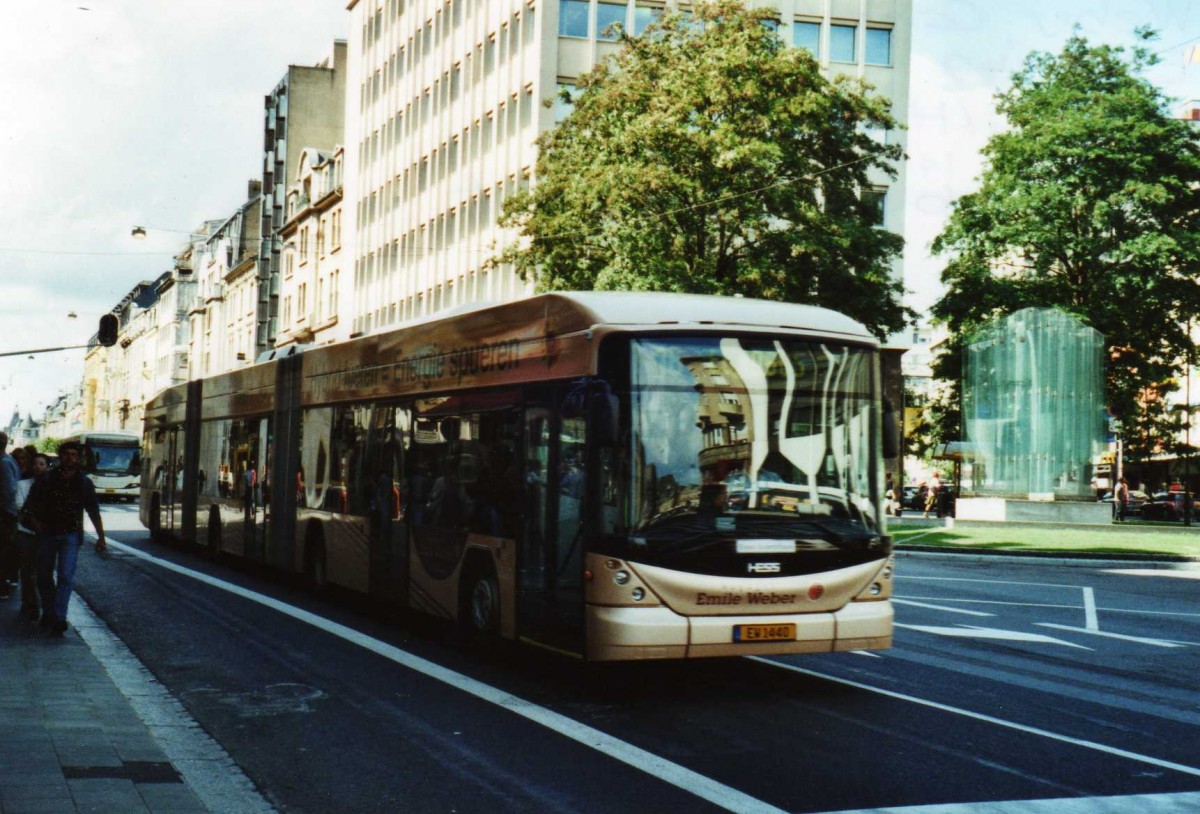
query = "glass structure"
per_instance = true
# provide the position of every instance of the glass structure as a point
(1033, 406)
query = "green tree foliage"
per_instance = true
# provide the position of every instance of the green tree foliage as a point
(1089, 202)
(709, 157)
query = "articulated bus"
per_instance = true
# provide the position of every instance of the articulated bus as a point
(113, 460)
(614, 476)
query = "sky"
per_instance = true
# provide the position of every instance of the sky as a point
(144, 112)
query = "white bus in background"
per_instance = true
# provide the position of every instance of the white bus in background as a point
(113, 460)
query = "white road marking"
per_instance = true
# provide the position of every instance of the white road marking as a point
(1091, 621)
(1181, 803)
(939, 607)
(866, 653)
(970, 632)
(204, 765)
(1138, 611)
(1142, 640)
(978, 716)
(1156, 572)
(679, 776)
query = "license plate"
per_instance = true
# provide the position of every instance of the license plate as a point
(785, 632)
(109, 491)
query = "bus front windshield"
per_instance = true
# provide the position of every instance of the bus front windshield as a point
(106, 459)
(761, 433)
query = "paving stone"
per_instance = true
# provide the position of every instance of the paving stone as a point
(170, 798)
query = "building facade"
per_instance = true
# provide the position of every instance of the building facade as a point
(445, 102)
(312, 252)
(229, 259)
(305, 111)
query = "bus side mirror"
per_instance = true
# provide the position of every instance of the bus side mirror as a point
(891, 432)
(107, 334)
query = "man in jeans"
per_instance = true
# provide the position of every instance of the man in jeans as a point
(54, 511)
(9, 475)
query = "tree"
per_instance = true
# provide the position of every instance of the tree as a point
(708, 157)
(1090, 202)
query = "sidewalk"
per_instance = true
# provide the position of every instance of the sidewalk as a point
(69, 740)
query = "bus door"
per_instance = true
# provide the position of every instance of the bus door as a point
(383, 475)
(257, 489)
(550, 572)
(171, 482)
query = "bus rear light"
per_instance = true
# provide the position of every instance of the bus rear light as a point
(588, 576)
(816, 591)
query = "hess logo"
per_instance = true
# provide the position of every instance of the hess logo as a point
(763, 567)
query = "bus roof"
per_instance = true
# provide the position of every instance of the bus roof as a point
(656, 308)
(569, 311)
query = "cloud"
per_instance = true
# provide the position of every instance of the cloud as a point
(135, 112)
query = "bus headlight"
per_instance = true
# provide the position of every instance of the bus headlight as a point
(621, 577)
(639, 594)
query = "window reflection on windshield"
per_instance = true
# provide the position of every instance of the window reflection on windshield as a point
(751, 426)
(114, 459)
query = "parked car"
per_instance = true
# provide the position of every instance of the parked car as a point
(1137, 499)
(1168, 506)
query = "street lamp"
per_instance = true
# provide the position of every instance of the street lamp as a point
(138, 233)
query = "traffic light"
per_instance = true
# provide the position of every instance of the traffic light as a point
(108, 330)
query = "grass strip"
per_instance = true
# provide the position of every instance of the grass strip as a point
(1002, 537)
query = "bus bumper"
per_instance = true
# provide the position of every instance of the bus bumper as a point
(629, 633)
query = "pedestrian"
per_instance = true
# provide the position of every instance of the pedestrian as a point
(9, 475)
(1121, 499)
(931, 495)
(891, 506)
(27, 540)
(54, 509)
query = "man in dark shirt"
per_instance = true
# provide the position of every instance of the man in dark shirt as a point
(54, 511)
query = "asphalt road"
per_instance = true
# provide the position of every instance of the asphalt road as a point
(1008, 682)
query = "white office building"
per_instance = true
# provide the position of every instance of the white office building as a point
(444, 100)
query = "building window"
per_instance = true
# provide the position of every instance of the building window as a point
(808, 37)
(563, 102)
(573, 18)
(879, 46)
(610, 18)
(643, 16)
(874, 201)
(841, 43)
